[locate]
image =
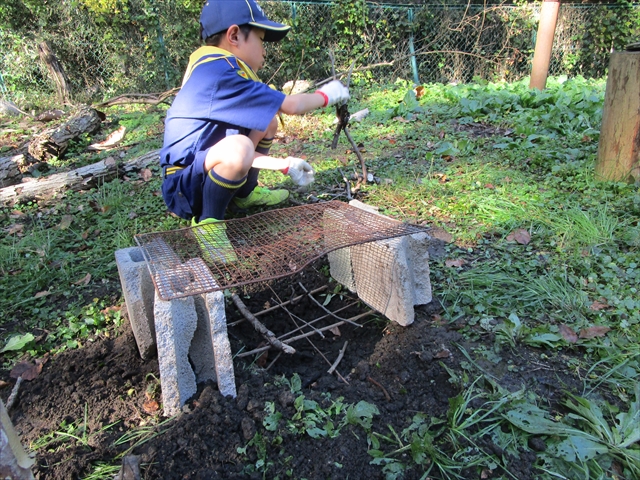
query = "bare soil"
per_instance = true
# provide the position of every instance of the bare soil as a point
(402, 370)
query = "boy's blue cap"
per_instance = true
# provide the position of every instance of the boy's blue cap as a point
(218, 15)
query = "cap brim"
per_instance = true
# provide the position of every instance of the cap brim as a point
(273, 31)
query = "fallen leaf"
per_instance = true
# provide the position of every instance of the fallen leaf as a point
(109, 162)
(441, 234)
(262, 359)
(443, 354)
(150, 406)
(43, 293)
(65, 222)
(593, 332)
(520, 235)
(455, 263)
(26, 370)
(568, 334)
(490, 186)
(436, 318)
(4, 384)
(335, 330)
(84, 280)
(597, 306)
(111, 141)
(17, 214)
(146, 174)
(419, 91)
(16, 229)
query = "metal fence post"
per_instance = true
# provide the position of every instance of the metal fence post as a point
(414, 63)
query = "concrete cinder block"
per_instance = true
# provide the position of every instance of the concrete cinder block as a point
(210, 351)
(190, 333)
(391, 276)
(221, 347)
(175, 322)
(138, 291)
(201, 350)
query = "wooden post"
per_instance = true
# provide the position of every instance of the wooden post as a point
(544, 43)
(619, 147)
(14, 461)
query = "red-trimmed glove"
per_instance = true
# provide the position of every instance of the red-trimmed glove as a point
(334, 92)
(300, 171)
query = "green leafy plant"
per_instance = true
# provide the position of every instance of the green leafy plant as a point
(584, 442)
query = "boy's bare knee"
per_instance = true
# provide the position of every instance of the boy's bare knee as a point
(231, 157)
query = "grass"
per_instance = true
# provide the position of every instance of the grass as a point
(482, 161)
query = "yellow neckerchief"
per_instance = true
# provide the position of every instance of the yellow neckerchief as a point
(208, 54)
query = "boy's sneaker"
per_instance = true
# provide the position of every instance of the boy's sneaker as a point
(261, 197)
(211, 235)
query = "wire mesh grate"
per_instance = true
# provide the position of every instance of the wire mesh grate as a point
(258, 248)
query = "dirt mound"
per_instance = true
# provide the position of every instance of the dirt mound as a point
(96, 404)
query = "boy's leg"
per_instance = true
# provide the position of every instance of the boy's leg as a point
(248, 195)
(226, 166)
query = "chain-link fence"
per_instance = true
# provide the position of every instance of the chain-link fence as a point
(106, 49)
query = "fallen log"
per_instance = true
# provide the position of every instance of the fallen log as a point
(54, 142)
(10, 173)
(83, 178)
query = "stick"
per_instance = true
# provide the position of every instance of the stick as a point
(325, 309)
(282, 337)
(347, 184)
(386, 395)
(264, 331)
(14, 394)
(306, 324)
(358, 154)
(270, 309)
(340, 355)
(308, 334)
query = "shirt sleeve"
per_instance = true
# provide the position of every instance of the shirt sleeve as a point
(218, 91)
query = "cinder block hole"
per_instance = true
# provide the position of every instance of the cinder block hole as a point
(136, 255)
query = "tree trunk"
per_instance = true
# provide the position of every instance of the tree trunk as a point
(83, 178)
(57, 73)
(10, 170)
(619, 147)
(53, 142)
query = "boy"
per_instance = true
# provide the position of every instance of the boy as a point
(220, 126)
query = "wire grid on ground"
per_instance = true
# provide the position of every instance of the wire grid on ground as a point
(262, 247)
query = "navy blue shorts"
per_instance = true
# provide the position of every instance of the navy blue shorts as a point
(191, 192)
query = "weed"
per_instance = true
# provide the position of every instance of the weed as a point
(584, 444)
(76, 432)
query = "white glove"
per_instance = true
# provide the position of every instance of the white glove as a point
(335, 92)
(300, 171)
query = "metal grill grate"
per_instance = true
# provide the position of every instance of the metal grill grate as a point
(262, 247)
